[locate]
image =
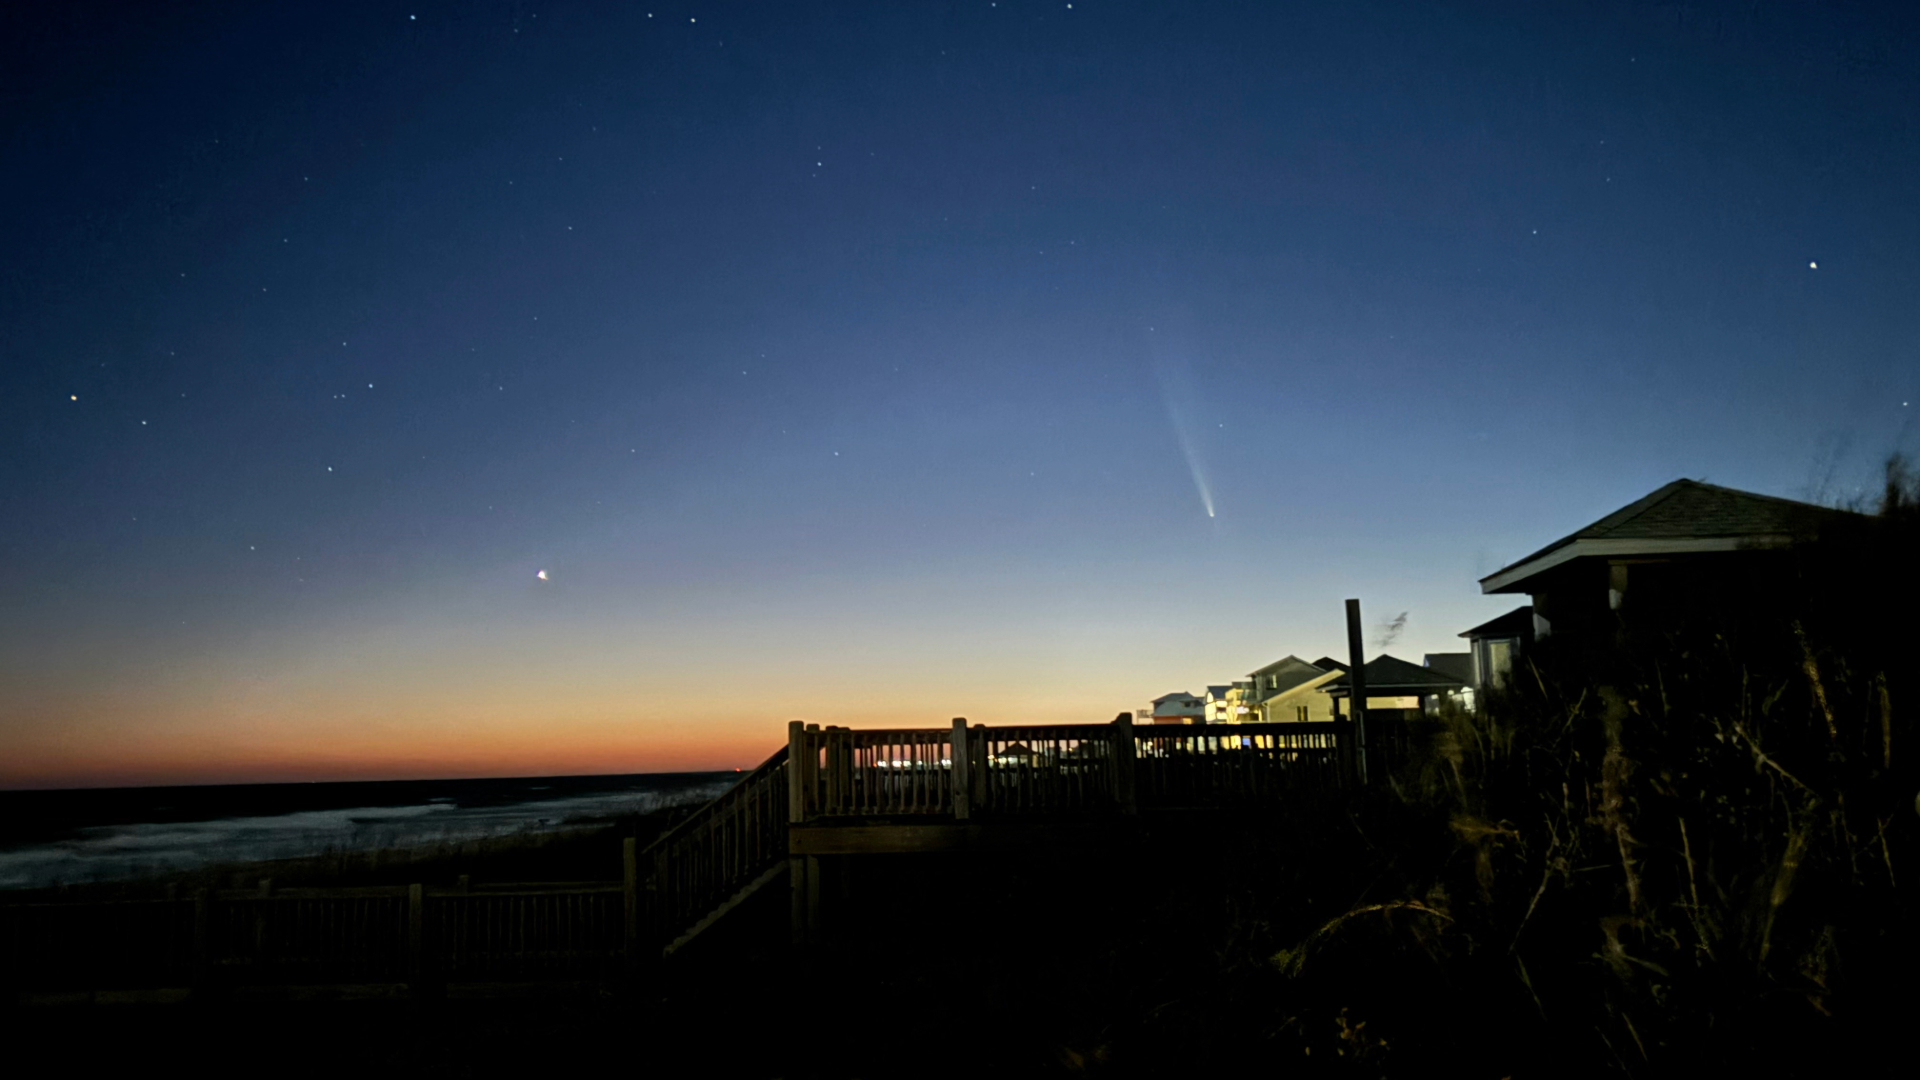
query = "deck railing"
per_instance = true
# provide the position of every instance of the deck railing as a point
(1044, 769)
(393, 935)
(876, 773)
(1060, 768)
(692, 873)
(1235, 764)
(721, 849)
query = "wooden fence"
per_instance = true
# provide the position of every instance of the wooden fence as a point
(403, 934)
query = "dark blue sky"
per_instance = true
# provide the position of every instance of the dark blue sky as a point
(878, 363)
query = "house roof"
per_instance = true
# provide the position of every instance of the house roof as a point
(1288, 661)
(1390, 676)
(1458, 665)
(1684, 516)
(1515, 623)
(1328, 663)
(1175, 694)
(1289, 671)
(1217, 691)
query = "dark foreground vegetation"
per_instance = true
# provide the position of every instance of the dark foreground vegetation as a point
(1690, 848)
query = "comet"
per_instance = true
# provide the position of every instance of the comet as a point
(1175, 394)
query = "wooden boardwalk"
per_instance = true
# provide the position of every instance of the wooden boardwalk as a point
(829, 795)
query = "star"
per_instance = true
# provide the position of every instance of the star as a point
(1813, 266)
(542, 575)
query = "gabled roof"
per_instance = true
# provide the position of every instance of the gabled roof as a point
(1175, 694)
(1328, 663)
(1285, 663)
(1458, 665)
(1684, 516)
(1290, 671)
(1217, 691)
(1515, 623)
(1390, 676)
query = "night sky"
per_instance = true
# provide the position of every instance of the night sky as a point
(877, 363)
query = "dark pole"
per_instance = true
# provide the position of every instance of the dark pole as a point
(1357, 689)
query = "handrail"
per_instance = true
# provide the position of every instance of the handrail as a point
(727, 844)
(777, 761)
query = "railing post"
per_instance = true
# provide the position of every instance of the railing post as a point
(977, 748)
(416, 938)
(1123, 764)
(659, 912)
(961, 774)
(262, 939)
(799, 776)
(796, 772)
(630, 901)
(202, 942)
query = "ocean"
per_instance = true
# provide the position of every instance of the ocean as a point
(106, 834)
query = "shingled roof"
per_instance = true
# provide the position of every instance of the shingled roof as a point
(1515, 623)
(1390, 676)
(1684, 516)
(1291, 671)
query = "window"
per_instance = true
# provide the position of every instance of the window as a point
(1300, 713)
(1499, 661)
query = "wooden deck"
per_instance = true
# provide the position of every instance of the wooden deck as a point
(835, 792)
(829, 795)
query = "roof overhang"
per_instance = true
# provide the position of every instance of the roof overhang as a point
(1397, 689)
(1511, 579)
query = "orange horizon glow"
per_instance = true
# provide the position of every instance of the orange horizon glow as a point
(496, 746)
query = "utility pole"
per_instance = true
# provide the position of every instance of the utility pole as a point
(1357, 690)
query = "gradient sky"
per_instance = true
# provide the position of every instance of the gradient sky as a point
(877, 363)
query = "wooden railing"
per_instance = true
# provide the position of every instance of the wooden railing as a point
(398, 934)
(1052, 769)
(693, 873)
(1235, 764)
(724, 847)
(1032, 770)
(874, 773)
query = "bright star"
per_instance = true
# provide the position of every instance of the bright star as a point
(542, 575)
(1813, 266)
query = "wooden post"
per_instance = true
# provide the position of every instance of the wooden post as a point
(960, 776)
(658, 885)
(262, 942)
(416, 937)
(977, 748)
(815, 876)
(1123, 764)
(834, 739)
(803, 873)
(630, 901)
(202, 943)
(798, 776)
(1357, 690)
